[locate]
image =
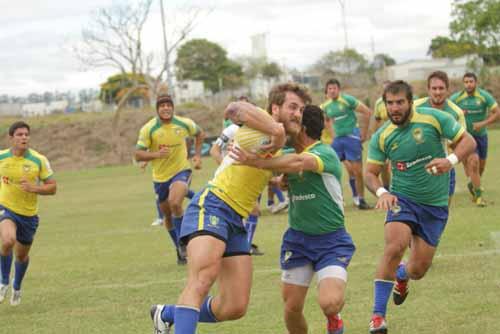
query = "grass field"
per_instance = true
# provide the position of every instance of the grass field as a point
(97, 264)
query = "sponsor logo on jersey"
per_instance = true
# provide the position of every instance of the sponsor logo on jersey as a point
(403, 165)
(305, 197)
(26, 168)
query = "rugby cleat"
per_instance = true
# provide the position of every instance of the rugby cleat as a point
(157, 222)
(254, 250)
(480, 202)
(3, 291)
(400, 291)
(363, 205)
(378, 325)
(279, 207)
(335, 325)
(15, 298)
(159, 326)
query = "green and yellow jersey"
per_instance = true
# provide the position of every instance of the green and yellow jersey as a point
(342, 111)
(476, 107)
(410, 148)
(155, 135)
(237, 185)
(33, 167)
(316, 203)
(449, 107)
(380, 111)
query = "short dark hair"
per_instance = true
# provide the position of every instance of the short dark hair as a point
(438, 75)
(313, 120)
(332, 82)
(164, 99)
(18, 125)
(399, 86)
(243, 98)
(277, 94)
(470, 75)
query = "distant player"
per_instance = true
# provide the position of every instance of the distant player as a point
(217, 247)
(348, 140)
(480, 110)
(417, 203)
(380, 117)
(316, 241)
(162, 141)
(437, 87)
(25, 174)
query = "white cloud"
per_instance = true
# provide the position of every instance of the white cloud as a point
(35, 38)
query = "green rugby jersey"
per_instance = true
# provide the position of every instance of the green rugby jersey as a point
(410, 148)
(342, 111)
(449, 107)
(476, 107)
(316, 203)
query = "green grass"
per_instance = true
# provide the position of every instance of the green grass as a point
(97, 264)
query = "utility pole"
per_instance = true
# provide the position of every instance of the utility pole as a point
(344, 24)
(170, 83)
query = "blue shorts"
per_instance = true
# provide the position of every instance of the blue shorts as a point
(26, 226)
(348, 147)
(207, 214)
(330, 249)
(426, 221)
(453, 177)
(482, 146)
(162, 189)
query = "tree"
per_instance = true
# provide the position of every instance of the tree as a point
(200, 59)
(271, 70)
(475, 28)
(115, 40)
(381, 60)
(445, 47)
(346, 61)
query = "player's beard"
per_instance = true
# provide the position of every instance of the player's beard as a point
(403, 117)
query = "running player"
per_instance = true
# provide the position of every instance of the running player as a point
(25, 174)
(417, 203)
(213, 225)
(162, 140)
(341, 108)
(480, 110)
(316, 241)
(437, 87)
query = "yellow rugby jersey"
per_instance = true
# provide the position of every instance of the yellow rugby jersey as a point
(237, 185)
(326, 138)
(32, 166)
(154, 135)
(380, 112)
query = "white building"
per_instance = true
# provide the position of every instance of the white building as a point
(420, 69)
(189, 90)
(39, 109)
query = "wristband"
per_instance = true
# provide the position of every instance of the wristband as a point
(453, 159)
(380, 191)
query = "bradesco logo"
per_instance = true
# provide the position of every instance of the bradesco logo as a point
(403, 166)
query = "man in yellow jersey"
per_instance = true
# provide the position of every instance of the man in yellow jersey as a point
(25, 174)
(437, 87)
(217, 247)
(162, 141)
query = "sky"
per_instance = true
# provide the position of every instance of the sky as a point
(37, 37)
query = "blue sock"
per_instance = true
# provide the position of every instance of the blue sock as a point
(401, 273)
(206, 314)
(279, 194)
(158, 210)
(352, 183)
(168, 313)
(177, 222)
(186, 319)
(190, 194)
(251, 227)
(270, 202)
(382, 291)
(5, 264)
(173, 235)
(21, 268)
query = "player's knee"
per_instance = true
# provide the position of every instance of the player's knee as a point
(8, 242)
(236, 311)
(175, 205)
(332, 305)
(418, 270)
(394, 250)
